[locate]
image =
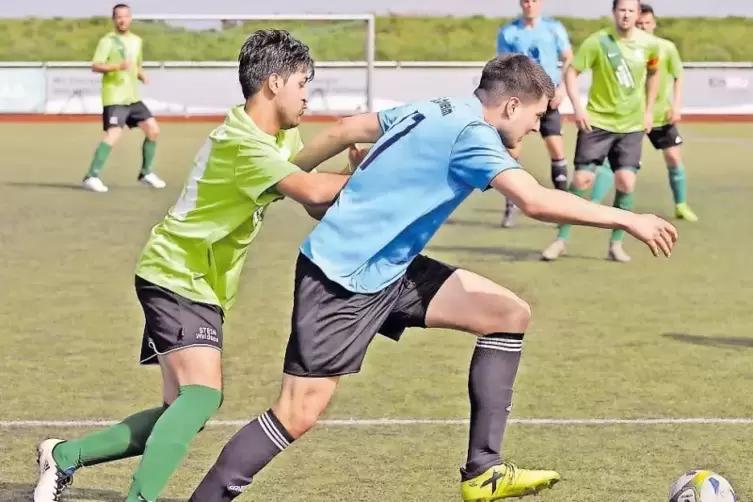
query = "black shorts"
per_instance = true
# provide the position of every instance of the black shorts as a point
(174, 322)
(665, 137)
(551, 123)
(333, 327)
(125, 115)
(621, 149)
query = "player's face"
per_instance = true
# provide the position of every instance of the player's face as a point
(531, 8)
(517, 119)
(646, 22)
(626, 14)
(122, 19)
(292, 97)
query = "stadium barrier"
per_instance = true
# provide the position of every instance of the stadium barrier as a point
(55, 91)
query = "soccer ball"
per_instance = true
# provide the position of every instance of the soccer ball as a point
(701, 486)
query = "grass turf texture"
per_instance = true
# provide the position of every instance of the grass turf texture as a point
(398, 38)
(653, 338)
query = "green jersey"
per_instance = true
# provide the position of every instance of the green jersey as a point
(198, 250)
(617, 98)
(670, 69)
(119, 87)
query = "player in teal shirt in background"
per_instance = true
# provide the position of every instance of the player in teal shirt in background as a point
(544, 40)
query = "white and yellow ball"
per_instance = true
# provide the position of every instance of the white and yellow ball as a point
(702, 486)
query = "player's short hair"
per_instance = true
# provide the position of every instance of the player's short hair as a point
(510, 75)
(267, 52)
(647, 9)
(119, 6)
(615, 3)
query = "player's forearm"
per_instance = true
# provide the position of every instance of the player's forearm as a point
(652, 90)
(312, 189)
(557, 206)
(337, 138)
(571, 85)
(104, 67)
(567, 59)
(677, 92)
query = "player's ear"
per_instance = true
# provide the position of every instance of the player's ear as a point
(512, 107)
(275, 83)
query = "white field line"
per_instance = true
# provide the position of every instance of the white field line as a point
(411, 421)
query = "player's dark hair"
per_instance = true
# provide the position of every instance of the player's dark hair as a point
(119, 6)
(509, 75)
(268, 52)
(647, 9)
(615, 3)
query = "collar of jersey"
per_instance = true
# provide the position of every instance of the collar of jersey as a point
(245, 120)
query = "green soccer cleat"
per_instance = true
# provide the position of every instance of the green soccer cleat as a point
(506, 481)
(683, 212)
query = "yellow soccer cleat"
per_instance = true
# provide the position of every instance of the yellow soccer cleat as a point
(506, 481)
(683, 212)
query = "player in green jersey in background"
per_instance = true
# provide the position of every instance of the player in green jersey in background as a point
(624, 62)
(118, 58)
(188, 274)
(667, 113)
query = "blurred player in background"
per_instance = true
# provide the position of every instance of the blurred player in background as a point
(624, 62)
(667, 113)
(118, 58)
(360, 272)
(545, 41)
(188, 274)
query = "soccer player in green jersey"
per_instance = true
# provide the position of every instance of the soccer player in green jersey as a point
(188, 273)
(668, 110)
(624, 63)
(118, 58)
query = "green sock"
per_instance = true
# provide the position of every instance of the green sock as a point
(624, 201)
(602, 183)
(119, 441)
(98, 161)
(168, 443)
(564, 231)
(677, 183)
(148, 149)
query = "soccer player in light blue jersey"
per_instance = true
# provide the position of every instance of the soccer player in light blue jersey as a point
(361, 272)
(544, 40)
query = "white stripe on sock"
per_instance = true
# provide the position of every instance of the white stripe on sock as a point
(275, 430)
(269, 433)
(502, 349)
(500, 343)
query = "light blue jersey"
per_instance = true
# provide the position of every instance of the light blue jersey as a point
(544, 43)
(429, 159)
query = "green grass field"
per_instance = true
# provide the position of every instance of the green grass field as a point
(655, 338)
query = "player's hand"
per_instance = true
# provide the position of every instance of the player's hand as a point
(675, 115)
(648, 122)
(559, 96)
(657, 234)
(355, 157)
(582, 121)
(144, 79)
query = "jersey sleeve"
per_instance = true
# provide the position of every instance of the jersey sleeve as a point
(587, 54)
(561, 38)
(478, 156)
(392, 115)
(674, 63)
(653, 55)
(503, 46)
(259, 168)
(102, 53)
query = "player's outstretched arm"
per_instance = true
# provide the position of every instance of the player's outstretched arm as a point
(363, 128)
(557, 206)
(312, 189)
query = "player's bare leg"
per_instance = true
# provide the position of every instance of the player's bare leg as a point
(301, 402)
(677, 182)
(91, 180)
(148, 151)
(556, 147)
(582, 181)
(508, 220)
(474, 304)
(624, 183)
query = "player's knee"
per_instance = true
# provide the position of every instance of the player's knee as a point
(511, 315)
(583, 180)
(112, 135)
(672, 157)
(301, 418)
(624, 181)
(153, 132)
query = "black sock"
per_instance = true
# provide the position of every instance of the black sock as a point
(493, 368)
(247, 452)
(559, 174)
